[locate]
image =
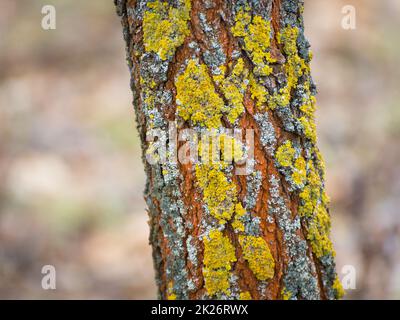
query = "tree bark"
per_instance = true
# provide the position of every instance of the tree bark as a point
(213, 65)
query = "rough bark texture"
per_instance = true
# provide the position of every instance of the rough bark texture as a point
(216, 64)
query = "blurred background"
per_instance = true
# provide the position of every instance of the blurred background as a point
(70, 168)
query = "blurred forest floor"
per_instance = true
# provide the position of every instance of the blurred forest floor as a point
(70, 164)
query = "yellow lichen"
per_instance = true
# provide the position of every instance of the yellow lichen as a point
(221, 76)
(285, 154)
(338, 288)
(313, 199)
(258, 255)
(216, 281)
(234, 88)
(319, 163)
(311, 193)
(325, 199)
(286, 294)
(313, 207)
(280, 99)
(299, 174)
(218, 251)
(294, 66)
(165, 27)
(318, 233)
(196, 97)
(148, 96)
(256, 33)
(309, 128)
(307, 206)
(170, 294)
(258, 92)
(219, 194)
(309, 107)
(219, 254)
(286, 157)
(243, 19)
(245, 295)
(237, 223)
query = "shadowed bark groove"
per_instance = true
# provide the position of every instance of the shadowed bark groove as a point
(209, 65)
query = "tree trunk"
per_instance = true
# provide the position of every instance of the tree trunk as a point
(222, 228)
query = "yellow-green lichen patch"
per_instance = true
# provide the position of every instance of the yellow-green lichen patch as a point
(196, 97)
(233, 88)
(256, 33)
(217, 151)
(149, 99)
(309, 128)
(299, 174)
(285, 154)
(325, 200)
(216, 281)
(319, 163)
(318, 233)
(287, 158)
(240, 213)
(243, 19)
(219, 254)
(307, 120)
(165, 27)
(280, 99)
(308, 108)
(311, 194)
(170, 294)
(219, 194)
(294, 67)
(313, 208)
(220, 76)
(285, 294)
(257, 253)
(258, 92)
(338, 288)
(245, 295)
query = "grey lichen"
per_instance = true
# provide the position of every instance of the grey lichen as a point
(254, 181)
(214, 56)
(267, 132)
(191, 250)
(299, 277)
